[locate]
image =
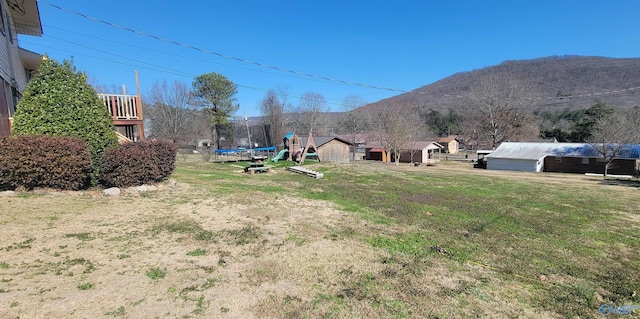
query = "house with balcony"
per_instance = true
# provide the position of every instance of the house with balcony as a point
(16, 63)
(126, 112)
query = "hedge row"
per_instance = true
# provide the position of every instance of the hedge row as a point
(65, 163)
(45, 161)
(138, 163)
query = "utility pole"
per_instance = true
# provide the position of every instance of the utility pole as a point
(246, 122)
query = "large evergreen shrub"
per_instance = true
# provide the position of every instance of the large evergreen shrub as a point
(58, 101)
(45, 161)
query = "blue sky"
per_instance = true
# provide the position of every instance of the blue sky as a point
(400, 45)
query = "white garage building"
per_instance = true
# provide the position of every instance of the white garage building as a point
(525, 157)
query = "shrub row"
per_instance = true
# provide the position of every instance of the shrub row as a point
(30, 161)
(138, 163)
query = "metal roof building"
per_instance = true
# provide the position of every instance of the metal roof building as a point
(529, 157)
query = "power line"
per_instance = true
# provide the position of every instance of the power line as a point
(171, 54)
(303, 74)
(153, 67)
(222, 55)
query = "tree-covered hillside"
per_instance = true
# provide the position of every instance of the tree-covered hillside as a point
(560, 82)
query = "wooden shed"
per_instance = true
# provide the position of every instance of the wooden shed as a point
(420, 152)
(331, 148)
(412, 151)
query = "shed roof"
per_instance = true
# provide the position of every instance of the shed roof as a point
(321, 140)
(422, 145)
(629, 151)
(411, 145)
(447, 139)
(536, 151)
(530, 151)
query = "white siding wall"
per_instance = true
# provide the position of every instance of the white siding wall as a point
(509, 164)
(18, 68)
(4, 51)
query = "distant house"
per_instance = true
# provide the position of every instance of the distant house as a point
(420, 152)
(413, 151)
(560, 157)
(586, 159)
(450, 143)
(16, 64)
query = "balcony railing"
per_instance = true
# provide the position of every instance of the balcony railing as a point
(122, 107)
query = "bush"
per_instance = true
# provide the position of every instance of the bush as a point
(138, 163)
(31, 161)
(58, 102)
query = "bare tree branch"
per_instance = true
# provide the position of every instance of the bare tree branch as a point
(614, 133)
(312, 109)
(499, 109)
(171, 115)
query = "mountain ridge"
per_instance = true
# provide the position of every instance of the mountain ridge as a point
(562, 82)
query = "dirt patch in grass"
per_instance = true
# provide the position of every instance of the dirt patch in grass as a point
(77, 255)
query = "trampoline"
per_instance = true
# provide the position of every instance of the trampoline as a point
(244, 153)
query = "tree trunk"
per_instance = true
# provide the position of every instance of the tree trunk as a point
(214, 137)
(606, 168)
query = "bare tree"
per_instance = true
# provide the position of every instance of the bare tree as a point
(171, 115)
(614, 133)
(354, 122)
(108, 89)
(274, 112)
(312, 110)
(393, 128)
(499, 109)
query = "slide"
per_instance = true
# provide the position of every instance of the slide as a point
(279, 156)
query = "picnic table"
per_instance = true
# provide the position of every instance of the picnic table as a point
(257, 167)
(259, 158)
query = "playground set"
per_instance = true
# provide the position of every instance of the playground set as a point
(294, 150)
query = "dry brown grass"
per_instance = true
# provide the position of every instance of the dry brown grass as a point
(267, 256)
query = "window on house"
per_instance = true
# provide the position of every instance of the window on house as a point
(558, 159)
(585, 160)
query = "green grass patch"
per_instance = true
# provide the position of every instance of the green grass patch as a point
(85, 286)
(186, 227)
(156, 273)
(516, 228)
(121, 311)
(80, 236)
(245, 235)
(197, 252)
(25, 244)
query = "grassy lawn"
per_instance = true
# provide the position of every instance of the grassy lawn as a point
(567, 247)
(369, 240)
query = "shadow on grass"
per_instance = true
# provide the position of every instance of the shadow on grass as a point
(622, 182)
